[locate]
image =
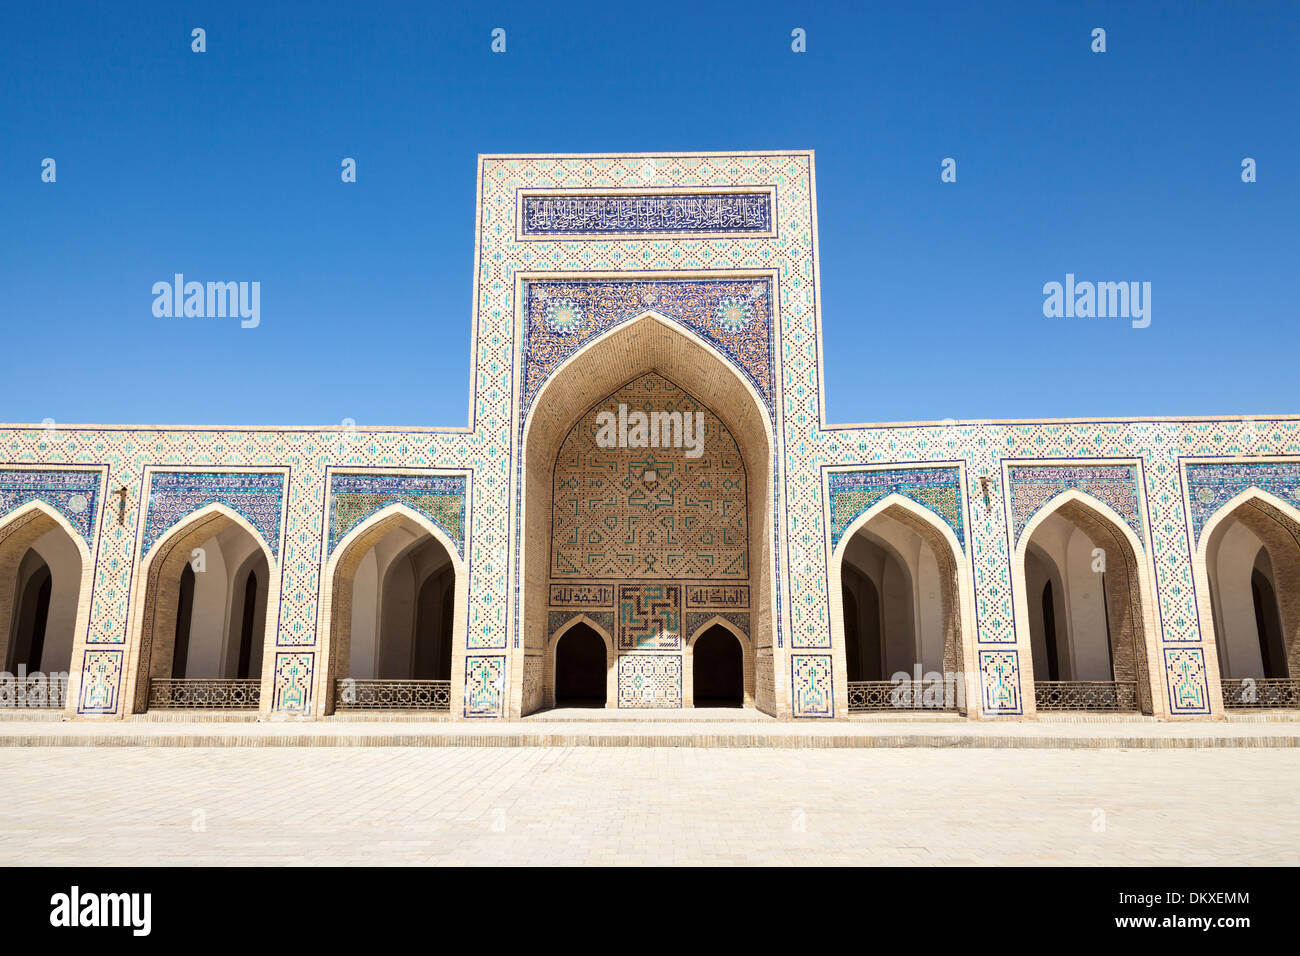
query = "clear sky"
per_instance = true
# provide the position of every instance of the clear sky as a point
(225, 165)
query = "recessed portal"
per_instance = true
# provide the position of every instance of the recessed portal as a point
(580, 668)
(719, 669)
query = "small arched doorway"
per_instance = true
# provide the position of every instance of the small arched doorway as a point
(580, 668)
(718, 669)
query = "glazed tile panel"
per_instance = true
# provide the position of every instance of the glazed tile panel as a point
(754, 297)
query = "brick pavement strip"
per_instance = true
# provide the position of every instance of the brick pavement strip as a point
(760, 733)
(560, 805)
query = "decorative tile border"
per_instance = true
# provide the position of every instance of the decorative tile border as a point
(582, 595)
(650, 681)
(1000, 681)
(562, 315)
(632, 214)
(101, 672)
(1189, 692)
(556, 620)
(356, 497)
(649, 617)
(73, 494)
(935, 489)
(1211, 485)
(721, 596)
(257, 497)
(485, 677)
(292, 683)
(812, 685)
(697, 619)
(1033, 486)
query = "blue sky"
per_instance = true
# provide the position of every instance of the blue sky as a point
(1116, 166)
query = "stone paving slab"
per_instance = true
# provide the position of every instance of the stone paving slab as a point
(891, 734)
(643, 806)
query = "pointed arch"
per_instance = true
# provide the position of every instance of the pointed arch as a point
(1129, 596)
(747, 658)
(156, 593)
(334, 623)
(1275, 522)
(611, 658)
(20, 529)
(1252, 496)
(647, 343)
(955, 579)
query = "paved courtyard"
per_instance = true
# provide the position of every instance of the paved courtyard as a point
(647, 806)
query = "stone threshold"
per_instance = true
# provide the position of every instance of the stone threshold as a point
(1155, 735)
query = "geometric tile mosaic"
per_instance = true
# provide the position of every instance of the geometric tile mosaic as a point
(255, 497)
(611, 521)
(440, 498)
(73, 494)
(645, 214)
(707, 284)
(649, 681)
(649, 617)
(1033, 486)
(561, 315)
(1212, 485)
(937, 489)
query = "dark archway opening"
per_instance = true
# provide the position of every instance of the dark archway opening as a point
(719, 668)
(1268, 622)
(580, 667)
(30, 620)
(184, 616)
(246, 626)
(1049, 633)
(433, 627)
(862, 627)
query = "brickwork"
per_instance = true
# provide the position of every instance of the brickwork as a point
(703, 270)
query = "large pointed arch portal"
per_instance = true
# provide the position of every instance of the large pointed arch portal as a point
(646, 486)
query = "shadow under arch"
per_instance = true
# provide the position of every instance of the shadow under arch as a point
(1276, 523)
(20, 529)
(955, 578)
(334, 626)
(1129, 597)
(647, 343)
(611, 670)
(156, 597)
(747, 658)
